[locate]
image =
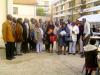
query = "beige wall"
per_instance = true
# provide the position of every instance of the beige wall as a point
(24, 1)
(88, 0)
(99, 12)
(25, 11)
(10, 7)
(2, 14)
(3, 11)
(5, 8)
(77, 2)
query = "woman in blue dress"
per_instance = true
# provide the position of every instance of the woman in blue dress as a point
(63, 33)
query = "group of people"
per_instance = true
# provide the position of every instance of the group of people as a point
(23, 36)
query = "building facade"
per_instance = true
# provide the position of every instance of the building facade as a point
(73, 9)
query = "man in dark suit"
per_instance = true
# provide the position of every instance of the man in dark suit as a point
(26, 33)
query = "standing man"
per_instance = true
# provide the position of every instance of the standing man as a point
(32, 42)
(86, 36)
(14, 21)
(8, 37)
(26, 37)
(86, 33)
(18, 36)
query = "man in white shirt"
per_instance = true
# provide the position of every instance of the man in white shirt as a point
(86, 32)
(72, 45)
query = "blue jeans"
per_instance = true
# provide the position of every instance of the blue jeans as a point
(72, 47)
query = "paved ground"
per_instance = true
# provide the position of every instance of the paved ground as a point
(42, 64)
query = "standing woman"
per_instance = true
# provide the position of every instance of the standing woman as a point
(91, 62)
(38, 37)
(63, 34)
(18, 35)
(75, 31)
(48, 33)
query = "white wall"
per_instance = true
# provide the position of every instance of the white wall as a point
(27, 11)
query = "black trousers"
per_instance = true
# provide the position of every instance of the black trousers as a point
(25, 47)
(48, 45)
(10, 48)
(32, 45)
(86, 40)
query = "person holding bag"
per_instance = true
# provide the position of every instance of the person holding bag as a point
(62, 36)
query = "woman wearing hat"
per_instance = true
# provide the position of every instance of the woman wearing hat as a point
(90, 57)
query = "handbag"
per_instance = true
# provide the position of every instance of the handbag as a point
(68, 39)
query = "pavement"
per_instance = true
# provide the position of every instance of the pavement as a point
(42, 64)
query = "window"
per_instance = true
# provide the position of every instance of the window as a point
(56, 8)
(97, 3)
(83, 7)
(62, 1)
(95, 12)
(62, 7)
(70, 4)
(46, 3)
(83, 1)
(15, 10)
(62, 12)
(56, 3)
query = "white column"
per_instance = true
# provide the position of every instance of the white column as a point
(34, 10)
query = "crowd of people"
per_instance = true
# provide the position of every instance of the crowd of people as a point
(23, 36)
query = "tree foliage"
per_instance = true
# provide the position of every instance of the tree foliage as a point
(40, 11)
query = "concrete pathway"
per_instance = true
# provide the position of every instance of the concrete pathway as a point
(42, 64)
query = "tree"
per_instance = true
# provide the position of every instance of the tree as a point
(40, 11)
